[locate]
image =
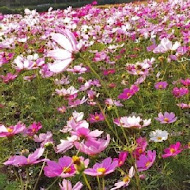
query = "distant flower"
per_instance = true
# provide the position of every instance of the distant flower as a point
(122, 158)
(173, 150)
(158, 136)
(111, 102)
(77, 70)
(8, 77)
(22, 160)
(126, 180)
(62, 109)
(161, 85)
(145, 161)
(33, 129)
(44, 138)
(128, 92)
(70, 93)
(166, 118)
(11, 130)
(101, 169)
(108, 72)
(93, 118)
(132, 122)
(100, 56)
(179, 92)
(141, 147)
(185, 82)
(183, 105)
(64, 168)
(66, 185)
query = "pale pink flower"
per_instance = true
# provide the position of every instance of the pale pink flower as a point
(66, 185)
(166, 117)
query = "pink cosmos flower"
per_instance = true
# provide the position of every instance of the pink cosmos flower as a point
(108, 72)
(185, 82)
(145, 161)
(12, 130)
(109, 102)
(100, 56)
(44, 138)
(183, 105)
(173, 150)
(166, 117)
(63, 56)
(62, 109)
(33, 128)
(64, 168)
(8, 77)
(70, 93)
(66, 185)
(22, 160)
(121, 159)
(96, 117)
(93, 148)
(126, 180)
(77, 69)
(141, 147)
(161, 85)
(179, 92)
(128, 92)
(101, 169)
(132, 122)
(77, 102)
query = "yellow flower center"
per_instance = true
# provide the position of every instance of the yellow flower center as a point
(172, 150)
(188, 145)
(126, 179)
(140, 150)
(148, 164)
(10, 130)
(97, 118)
(76, 160)
(160, 86)
(66, 169)
(166, 119)
(101, 170)
(159, 138)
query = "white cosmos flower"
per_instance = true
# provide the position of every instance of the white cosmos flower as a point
(158, 135)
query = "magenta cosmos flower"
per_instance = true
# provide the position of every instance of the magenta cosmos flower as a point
(166, 117)
(185, 82)
(12, 130)
(96, 117)
(179, 92)
(102, 169)
(63, 56)
(128, 92)
(146, 161)
(161, 85)
(64, 168)
(33, 129)
(122, 157)
(22, 160)
(66, 185)
(173, 150)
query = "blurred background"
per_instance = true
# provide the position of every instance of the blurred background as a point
(17, 6)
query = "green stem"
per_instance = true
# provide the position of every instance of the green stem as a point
(52, 184)
(21, 182)
(27, 179)
(40, 172)
(103, 183)
(98, 179)
(86, 181)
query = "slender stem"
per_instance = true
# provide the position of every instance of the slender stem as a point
(98, 179)
(52, 183)
(21, 182)
(103, 183)
(40, 172)
(86, 181)
(27, 179)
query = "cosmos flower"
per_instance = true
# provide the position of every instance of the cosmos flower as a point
(173, 150)
(106, 167)
(11, 130)
(145, 161)
(161, 85)
(66, 185)
(93, 118)
(63, 56)
(63, 168)
(33, 129)
(126, 180)
(121, 159)
(128, 92)
(179, 92)
(158, 135)
(132, 122)
(166, 117)
(30, 160)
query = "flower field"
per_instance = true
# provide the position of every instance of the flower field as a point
(96, 98)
